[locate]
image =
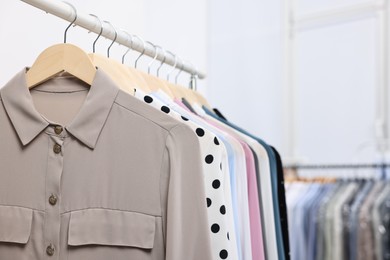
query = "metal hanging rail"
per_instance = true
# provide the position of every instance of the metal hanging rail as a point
(90, 23)
(337, 166)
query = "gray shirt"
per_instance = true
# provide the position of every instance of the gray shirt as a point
(93, 173)
(338, 247)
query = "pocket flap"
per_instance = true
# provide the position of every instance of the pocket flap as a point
(15, 224)
(111, 228)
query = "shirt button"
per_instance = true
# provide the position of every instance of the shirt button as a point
(53, 200)
(50, 250)
(58, 129)
(57, 148)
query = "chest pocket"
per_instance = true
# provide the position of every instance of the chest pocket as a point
(15, 224)
(110, 234)
(15, 231)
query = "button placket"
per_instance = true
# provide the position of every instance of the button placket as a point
(53, 195)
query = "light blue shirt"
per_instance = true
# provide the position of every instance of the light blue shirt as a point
(313, 220)
(297, 245)
(306, 205)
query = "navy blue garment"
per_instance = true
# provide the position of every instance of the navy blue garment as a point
(282, 204)
(274, 172)
(218, 113)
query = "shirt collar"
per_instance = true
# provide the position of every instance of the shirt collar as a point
(87, 124)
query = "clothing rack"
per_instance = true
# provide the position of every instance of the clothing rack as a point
(91, 23)
(337, 166)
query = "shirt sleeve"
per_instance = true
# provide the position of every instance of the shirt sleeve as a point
(187, 232)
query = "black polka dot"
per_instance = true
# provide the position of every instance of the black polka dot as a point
(228, 236)
(184, 118)
(216, 184)
(216, 141)
(200, 132)
(209, 159)
(222, 209)
(215, 228)
(165, 109)
(208, 202)
(223, 254)
(148, 99)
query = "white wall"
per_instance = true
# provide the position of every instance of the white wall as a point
(245, 65)
(337, 74)
(181, 27)
(335, 70)
(336, 77)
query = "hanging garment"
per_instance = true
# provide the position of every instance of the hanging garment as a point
(282, 203)
(313, 220)
(365, 233)
(343, 220)
(351, 224)
(114, 179)
(251, 191)
(385, 227)
(323, 228)
(377, 222)
(217, 183)
(232, 156)
(273, 167)
(240, 150)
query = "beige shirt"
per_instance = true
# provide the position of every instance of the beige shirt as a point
(96, 174)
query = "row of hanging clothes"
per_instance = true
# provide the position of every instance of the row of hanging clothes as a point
(99, 160)
(334, 218)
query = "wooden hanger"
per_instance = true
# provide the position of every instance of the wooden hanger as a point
(60, 58)
(106, 65)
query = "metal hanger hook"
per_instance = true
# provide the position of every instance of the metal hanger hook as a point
(194, 76)
(162, 62)
(74, 20)
(112, 43)
(131, 45)
(180, 70)
(143, 51)
(174, 66)
(155, 56)
(100, 33)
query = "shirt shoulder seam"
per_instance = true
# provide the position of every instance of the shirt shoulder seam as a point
(154, 122)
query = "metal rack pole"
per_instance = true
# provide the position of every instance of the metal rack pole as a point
(90, 23)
